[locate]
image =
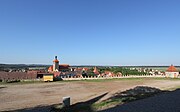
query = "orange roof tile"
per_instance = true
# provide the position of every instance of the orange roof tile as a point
(57, 61)
(95, 70)
(50, 68)
(65, 65)
(171, 69)
(85, 69)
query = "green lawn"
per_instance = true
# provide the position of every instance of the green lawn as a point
(95, 80)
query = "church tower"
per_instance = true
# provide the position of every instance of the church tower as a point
(96, 70)
(55, 64)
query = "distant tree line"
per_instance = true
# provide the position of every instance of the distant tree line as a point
(124, 71)
(115, 70)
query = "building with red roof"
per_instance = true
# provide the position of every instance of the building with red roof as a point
(172, 72)
(96, 70)
(172, 69)
(85, 69)
(56, 67)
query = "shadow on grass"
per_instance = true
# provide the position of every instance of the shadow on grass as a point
(2, 87)
(40, 108)
(81, 106)
(136, 93)
(119, 98)
(166, 101)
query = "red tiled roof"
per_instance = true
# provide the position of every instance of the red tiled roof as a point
(171, 69)
(64, 65)
(61, 66)
(57, 61)
(95, 70)
(50, 68)
(85, 69)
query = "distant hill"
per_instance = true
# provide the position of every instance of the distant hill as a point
(42, 65)
(22, 65)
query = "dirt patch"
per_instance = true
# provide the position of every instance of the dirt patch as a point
(15, 97)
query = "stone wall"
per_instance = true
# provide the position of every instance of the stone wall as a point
(111, 77)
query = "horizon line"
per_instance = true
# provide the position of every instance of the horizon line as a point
(86, 64)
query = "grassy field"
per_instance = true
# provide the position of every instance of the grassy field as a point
(95, 80)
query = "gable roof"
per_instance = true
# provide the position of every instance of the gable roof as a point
(172, 69)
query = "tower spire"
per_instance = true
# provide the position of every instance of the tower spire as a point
(56, 64)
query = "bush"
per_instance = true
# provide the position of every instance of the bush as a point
(57, 79)
(13, 81)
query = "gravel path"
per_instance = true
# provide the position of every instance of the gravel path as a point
(166, 102)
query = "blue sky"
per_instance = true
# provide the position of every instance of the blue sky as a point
(90, 32)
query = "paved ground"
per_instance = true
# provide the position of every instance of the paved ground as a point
(40, 96)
